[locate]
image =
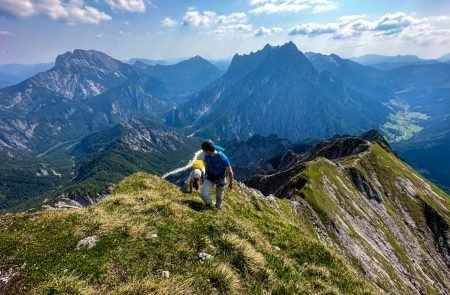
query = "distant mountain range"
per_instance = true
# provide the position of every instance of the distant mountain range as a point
(47, 119)
(11, 74)
(83, 171)
(383, 62)
(365, 79)
(184, 77)
(87, 91)
(345, 215)
(150, 62)
(278, 90)
(43, 118)
(445, 58)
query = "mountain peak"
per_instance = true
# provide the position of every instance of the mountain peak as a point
(288, 60)
(197, 58)
(92, 57)
(267, 47)
(290, 45)
(374, 135)
(286, 57)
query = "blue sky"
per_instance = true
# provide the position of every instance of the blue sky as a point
(38, 30)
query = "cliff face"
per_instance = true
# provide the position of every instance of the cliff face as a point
(370, 205)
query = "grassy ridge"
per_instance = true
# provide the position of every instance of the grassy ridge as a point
(259, 246)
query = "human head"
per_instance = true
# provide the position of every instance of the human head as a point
(197, 174)
(208, 147)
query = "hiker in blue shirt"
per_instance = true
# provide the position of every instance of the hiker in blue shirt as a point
(217, 167)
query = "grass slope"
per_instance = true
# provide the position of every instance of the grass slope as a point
(260, 246)
(387, 227)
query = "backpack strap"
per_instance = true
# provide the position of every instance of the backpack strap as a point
(221, 160)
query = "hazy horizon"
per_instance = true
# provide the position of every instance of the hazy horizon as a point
(36, 31)
(173, 60)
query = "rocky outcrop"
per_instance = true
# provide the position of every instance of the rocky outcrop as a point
(282, 181)
(363, 185)
(370, 206)
(441, 231)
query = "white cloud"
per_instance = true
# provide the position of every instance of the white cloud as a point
(355, 25)
(325, 7)
(262, 31)
(278, 6)
(313, 29)
(196, 18)
(169, 23)
(238, 17)
(422, 31)
(72, 11)
(234, 23)
(199, 19)
(127, 5)
(5, 33)
(99, 35)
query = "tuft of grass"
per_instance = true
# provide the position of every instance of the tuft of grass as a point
(243, 254)
(65, 284)
(153, 286)
(225, 280)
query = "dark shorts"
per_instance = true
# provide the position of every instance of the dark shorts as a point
(217, 180)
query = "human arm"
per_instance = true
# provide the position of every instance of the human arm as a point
(231, 177)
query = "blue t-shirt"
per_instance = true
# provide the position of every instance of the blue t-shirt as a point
(217, 164)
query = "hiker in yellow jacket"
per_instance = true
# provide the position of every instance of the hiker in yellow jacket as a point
(196, 176)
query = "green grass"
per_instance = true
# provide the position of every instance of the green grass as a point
(259, 246)
(40, 247)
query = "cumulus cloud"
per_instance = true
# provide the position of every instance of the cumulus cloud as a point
(313, 29)
(356, 25)
(218, 24)
(199, 18)
(72, 11)
(324, 7)
(234, 18)
(127, 5)
(169, 23)
(278, 6)
(422, 31)
(262, 31)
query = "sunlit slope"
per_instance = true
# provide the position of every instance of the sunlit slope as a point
(378, 211)
(258, 245)
(359, 224)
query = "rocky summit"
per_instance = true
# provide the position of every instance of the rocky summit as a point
(277, 90)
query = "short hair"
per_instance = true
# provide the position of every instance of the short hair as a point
(208, 145)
